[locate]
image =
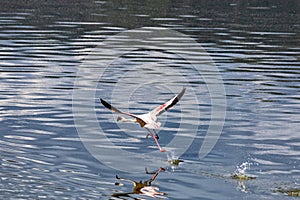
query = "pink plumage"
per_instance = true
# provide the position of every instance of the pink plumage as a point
(148, 120)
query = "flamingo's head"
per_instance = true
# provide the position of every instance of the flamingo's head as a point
(123, 119)
(120, 118)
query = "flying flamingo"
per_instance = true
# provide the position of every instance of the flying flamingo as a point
(148, 120)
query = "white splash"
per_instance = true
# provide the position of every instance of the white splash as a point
(241, 169)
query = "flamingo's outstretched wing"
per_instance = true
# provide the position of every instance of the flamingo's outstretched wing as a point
(166, 106)
(112, 108)
(123, 179)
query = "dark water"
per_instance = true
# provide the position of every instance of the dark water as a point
(50, 54)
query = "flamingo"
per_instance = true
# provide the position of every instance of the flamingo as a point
(142, 187)
(148, 120)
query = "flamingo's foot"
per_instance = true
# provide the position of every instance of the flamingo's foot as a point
(162, 169)
(162, 150)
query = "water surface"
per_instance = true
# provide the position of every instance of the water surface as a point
(255, 46)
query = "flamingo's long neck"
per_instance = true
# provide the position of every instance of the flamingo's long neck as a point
(123, 119)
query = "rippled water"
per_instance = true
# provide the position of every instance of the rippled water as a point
(50, 54)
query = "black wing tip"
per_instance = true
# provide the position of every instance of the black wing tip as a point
(102, 101)
(177, 98)
(181, 93)
(105, 104)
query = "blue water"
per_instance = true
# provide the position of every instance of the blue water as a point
(241, 72)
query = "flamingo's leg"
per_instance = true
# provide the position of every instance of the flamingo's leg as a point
(156, 135)
(155, 139)
(154, 175)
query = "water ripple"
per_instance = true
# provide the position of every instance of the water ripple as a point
(254, 45)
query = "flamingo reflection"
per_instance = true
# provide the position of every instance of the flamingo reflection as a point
(142, 187)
